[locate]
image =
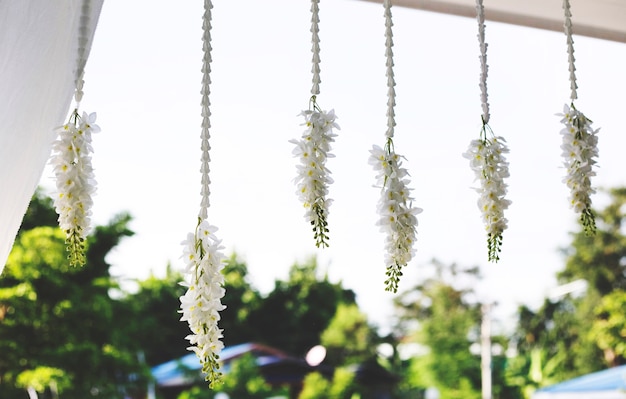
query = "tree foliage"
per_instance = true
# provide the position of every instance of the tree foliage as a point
(341, 386)
(584, 331)
(296, 312)
(59, 328)
(601, 261)
(241, 300)
(601, 258)
(244, 380)
(349, 339)
(609, 327)
(447, 319)
(63, 334)
(153, 323)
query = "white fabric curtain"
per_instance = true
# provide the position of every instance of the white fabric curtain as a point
(38, 63)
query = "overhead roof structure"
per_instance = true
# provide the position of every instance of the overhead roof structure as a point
(602, 19)
(605, 384)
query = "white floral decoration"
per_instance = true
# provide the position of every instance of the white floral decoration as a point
(579, 151)
(397, 214)
(313, 178)
(75, 183)
(201, 304)
(204, 259)
(490, 167)
(313, 148)
(71, 158)
(580, 142)
(487, 159)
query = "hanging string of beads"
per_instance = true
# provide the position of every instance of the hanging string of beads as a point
(487, 160)
(71, 159)
(203, 252)
(313, 149)
(580, 143)
(397, 215)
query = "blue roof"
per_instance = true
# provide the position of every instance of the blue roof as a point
(173, 372)
(613, 379)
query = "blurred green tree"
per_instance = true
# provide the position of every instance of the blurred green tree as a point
(438, 316)
(609, 327)
(578, 333)
(244, 380)
(600, 259)
(241, 300)
(349, 339)
(154, 327)
(60, 331)
(341, 386)
(154, 319)
(293, 316)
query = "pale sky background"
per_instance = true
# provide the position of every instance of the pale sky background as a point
(143, 80)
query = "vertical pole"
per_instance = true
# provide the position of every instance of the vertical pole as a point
(485, 350)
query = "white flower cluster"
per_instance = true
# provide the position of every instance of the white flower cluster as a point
(580, 148)
(71, 159)
(491, 168)
(397, 214)
(313, 177)
(201, 304)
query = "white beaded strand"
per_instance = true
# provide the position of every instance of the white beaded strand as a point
(397, 215)
(206, 111)
(567, 26)
(580, 141)
(391, 82)
(313, 148)
(203, 252)
(480, 12)
(315, 49)
(71, 157)
(487, 159)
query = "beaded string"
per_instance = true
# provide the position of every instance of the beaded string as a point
(567, 26)
(397, 215)
(315, 47)
(203, 252)
(580, 142)
(480, 16)
(314, 148)
(487, 160)
(206, 110)
(71, 158)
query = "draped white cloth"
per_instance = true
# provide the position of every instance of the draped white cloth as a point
(38, 64)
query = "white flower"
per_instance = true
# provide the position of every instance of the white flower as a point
(201, 304)
(491, 168)
(75, 183)
(579, 150)
(397, 214)
(313, 177)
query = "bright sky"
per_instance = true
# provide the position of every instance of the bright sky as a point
(143, 80)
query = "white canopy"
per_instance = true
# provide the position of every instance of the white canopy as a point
(38, 63)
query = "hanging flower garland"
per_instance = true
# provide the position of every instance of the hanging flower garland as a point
(487, 160)
(313, 149)
(71, 161)
(580, 143)
(397, 214)
(203, 252)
